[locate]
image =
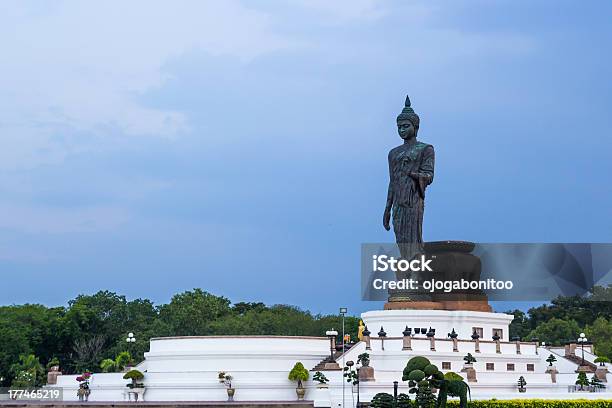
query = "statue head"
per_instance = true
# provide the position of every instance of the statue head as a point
(407, 122)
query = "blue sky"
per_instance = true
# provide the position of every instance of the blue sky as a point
(153, 147)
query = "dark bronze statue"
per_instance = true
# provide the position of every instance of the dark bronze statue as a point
(411, 170)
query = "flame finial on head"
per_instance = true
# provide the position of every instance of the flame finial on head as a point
(409, 114)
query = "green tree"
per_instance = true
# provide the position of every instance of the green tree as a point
(28, 371)
(191, 313)
(298, 373)
(600, 333)
(582, 380)
(520, 325)
(555, 331)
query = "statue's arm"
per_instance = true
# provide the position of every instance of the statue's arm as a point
(390, 189)
(425, 175)
(389, 204)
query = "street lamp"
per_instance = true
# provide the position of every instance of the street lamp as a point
(130, 339)
(331, 335)
(343, 312)
(582, 339)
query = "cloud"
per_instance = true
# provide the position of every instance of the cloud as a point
(75, 67)
(34, 220)
(343, 11)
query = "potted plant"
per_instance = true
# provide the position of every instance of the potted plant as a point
(550, 360)
(135, 376)
(136, 387)
(602, 361)
(351, 374)
(363, 359)
(226, 379)
(596, 382)
(299, 373)
(582, 380)
(521, 384)
(84, 391)
(321, 379)
(469, 360)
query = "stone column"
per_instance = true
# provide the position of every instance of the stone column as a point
(518, 347)
(382, 334)
(455, 345)
(476, 339)
(470, 372)
(366, 338)
(552, 370)
(497, 347)
(601, 373)
(366, 373)
(54, 372)
(407, 340)
(432, 343)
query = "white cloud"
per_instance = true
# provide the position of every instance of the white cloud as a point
(35, 220)
(82, 66)
(342, 11)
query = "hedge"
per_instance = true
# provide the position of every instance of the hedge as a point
(535, 403)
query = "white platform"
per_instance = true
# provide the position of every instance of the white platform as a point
(395, 321)
(186, 368)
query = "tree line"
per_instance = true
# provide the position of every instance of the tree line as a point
(566, 317)
(93, 328)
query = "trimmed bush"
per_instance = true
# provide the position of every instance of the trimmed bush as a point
(451, 376)
(430, 369)
(535, 403)
(298, 373)
(133, 375)
(382, 400)
(417, 363)
(416, 375)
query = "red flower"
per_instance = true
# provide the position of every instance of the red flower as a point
(79, 378)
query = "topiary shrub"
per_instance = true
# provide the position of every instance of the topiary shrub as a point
(417, 363)
(535, 403)
(422, 377)
(416, 375)
(382, 400)
(298, 373)
(430, 370)
(403, 401)
(320, 377)
(135, 376)
(451, 376)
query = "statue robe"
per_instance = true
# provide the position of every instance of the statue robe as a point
(411, 170)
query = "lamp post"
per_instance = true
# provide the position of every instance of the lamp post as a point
(130, 339)
(343, 312)
(331, 335)
(358, 381)
(582, 339)
(349, 374)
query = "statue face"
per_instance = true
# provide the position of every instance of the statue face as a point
(406, 130)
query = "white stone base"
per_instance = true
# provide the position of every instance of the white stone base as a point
(395, 321)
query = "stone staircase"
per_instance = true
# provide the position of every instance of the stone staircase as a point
(321, 365)
(578, 360)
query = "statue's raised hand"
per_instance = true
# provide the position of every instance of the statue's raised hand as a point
(387, 219)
